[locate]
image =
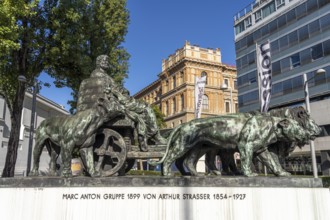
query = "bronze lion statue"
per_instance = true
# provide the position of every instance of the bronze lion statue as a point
(63, 134)
(250, 134)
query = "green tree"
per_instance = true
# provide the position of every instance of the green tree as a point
(83, 30)
(159, 116)
(21, 37)
(62, 38)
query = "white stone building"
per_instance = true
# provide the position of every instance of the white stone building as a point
(45, 108)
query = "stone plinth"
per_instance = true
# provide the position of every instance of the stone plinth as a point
(154, 181)
(163, 198)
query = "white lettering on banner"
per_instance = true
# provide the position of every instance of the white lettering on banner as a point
(199, 92)
(265, 75)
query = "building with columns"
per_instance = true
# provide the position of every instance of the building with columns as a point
(174, 89)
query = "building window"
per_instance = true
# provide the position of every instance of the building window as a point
(277, 89)
(251, 58)
(311, 5)
(258, 16)
(314, 28)
(4, 144)
(167, 109)
(281, 21)
(235, 84)
(204, 74)
(276, 68)
(295, 60)
(173, 105)
(205, 102)
(182, 102)
(291, 16)
(249, 40)
(248, 22)
(279, 3)
(301, 11)
(239, 28)
(274, 47)
(226, 81)
(284, 42)
(181, 77)
(325, 22)
(285, 64)
(293, 38)
(269, 9)
(227, 107)
(303, 33)
(166, 86)
(326, 48)
(305, 56)
(297, 83)
(317, 52)
(174, 82)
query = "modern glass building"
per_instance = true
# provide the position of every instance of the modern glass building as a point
(299, 35)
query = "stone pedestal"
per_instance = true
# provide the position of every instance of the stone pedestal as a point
(163, 198)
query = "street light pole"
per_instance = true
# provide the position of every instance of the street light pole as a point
(22, 79)
(33, 111)
(311, 143)
(224, 87)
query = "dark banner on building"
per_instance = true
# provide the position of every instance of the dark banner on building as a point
(265, 75)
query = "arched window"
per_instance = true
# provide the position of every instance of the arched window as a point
(205, 102)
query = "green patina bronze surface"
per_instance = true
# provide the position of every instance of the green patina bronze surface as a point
(103, 132)
(102, 129)
(63, 134)
(250, 134)
(137, 111)
(279, 150)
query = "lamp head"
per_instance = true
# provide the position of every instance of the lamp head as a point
(224, 87)
(320, 71)
(22, 78)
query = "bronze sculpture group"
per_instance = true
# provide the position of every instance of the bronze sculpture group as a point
(97, 130)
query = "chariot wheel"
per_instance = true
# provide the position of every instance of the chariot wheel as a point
(109, 152)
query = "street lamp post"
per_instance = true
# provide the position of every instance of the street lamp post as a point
(22, 79)
(33, 111)
(311, 143)
(225, 87)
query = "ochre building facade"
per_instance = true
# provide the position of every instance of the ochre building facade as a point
(174, 89)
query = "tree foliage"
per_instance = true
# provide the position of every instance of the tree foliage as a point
(62, 38)
(159, 116)
(81, 31)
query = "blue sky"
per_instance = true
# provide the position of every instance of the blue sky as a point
(158, 27)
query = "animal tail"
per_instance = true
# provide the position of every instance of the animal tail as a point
(38, 147)
(173, 134)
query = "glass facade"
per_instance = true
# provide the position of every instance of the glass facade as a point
(299, 34)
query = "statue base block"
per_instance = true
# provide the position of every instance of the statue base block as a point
(163, 198)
